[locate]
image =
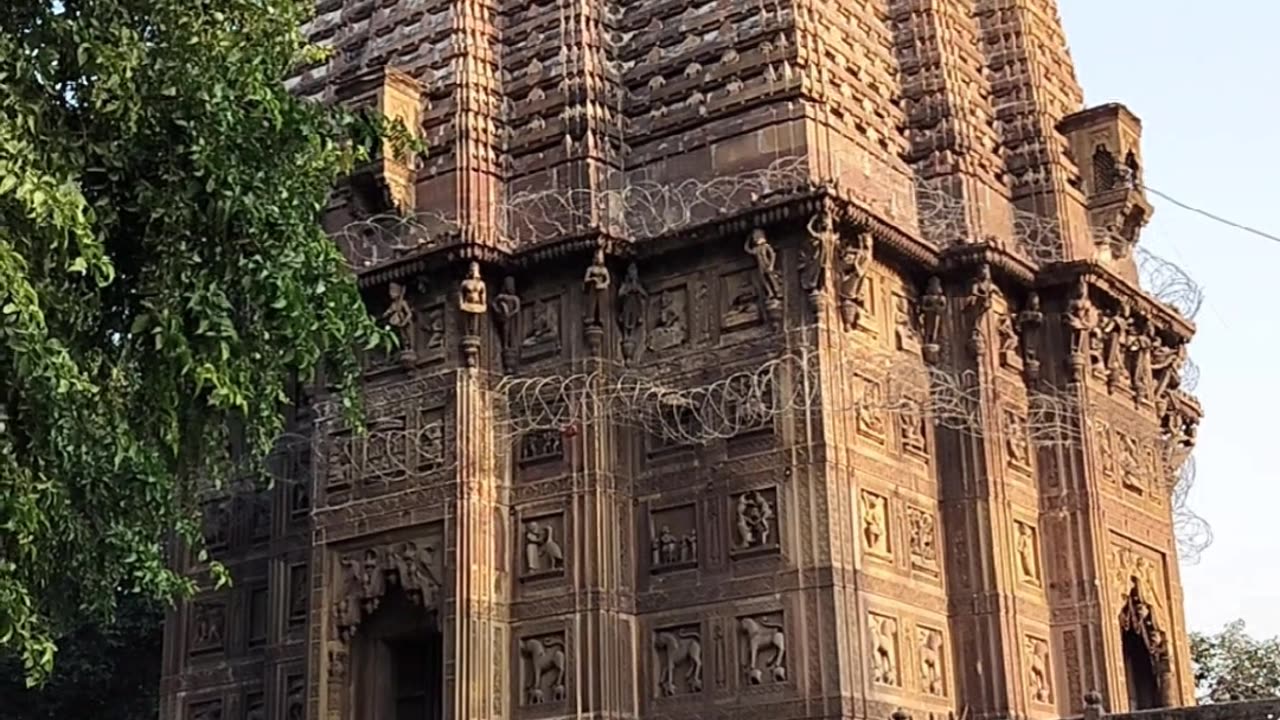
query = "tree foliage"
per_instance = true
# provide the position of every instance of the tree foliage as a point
(163, 275)
(1231, 665)
(104, 672)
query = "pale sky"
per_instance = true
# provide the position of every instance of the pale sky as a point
(1202, 76)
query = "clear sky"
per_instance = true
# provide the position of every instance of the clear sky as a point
(1203, 78)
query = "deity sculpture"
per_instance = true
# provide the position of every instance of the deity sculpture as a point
(766, 271)
(754, 513)
(595, 285)
(1142, 344)
(506, 311)
(813, 274)
(632, 299)
(1116, 330)
(1079, 321)
(473, 298)
(399, 315)
(1028, 566)
(855, 264)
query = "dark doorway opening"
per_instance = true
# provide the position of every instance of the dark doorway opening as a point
(399, 663)
(1140, 673)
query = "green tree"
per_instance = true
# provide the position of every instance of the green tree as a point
(109, 672)
(1231, 665)
(163, 274)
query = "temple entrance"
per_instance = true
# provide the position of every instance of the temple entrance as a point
(398, 663)
(1139, 673)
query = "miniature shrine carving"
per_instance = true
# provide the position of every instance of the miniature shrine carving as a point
(415, 566)
(929, 650)
(542, 552)
(1027, 552)
(754, 521)
(884, 649)
(875, 523)
(544, 668)
(1039, 682)
(765, 648)
(855, 265)
(632, 302)
(679, 653)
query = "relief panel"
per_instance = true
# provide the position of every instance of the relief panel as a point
(933, 669)
(542, 555)
(208, 626)
(541, 329)
(740, 300)
(1027, 553)
(763, 648)
(873, 510)
(922, 536)
(885, 667)
(755, 522)
(1039, 680)
(669, 319)
(542, 669)
(871, 406)
(677, 657)
(673, 538)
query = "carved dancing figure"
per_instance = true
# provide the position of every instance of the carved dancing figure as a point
(813, 274)
(764, 635)
(883, 631)
(632, 299)
(679, 648)
(546, 658)
(766, 259)
(595, 283)
(855, 264)
(399, 315)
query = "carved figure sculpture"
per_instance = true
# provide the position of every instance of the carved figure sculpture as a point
(681, 647)
(632, 299)
(855, 263)
(1141, 345)
(766, 271)
(541, 551)
(689, 546)
(884, 640)
(595, 285)
(473, 296)
(668, 547)
(1028, 563)
(912, 426)
(933, 305)
(546, 661)
(1038, 671)
(813, 271)
(1166, 367)
(1007, 337)
(1079, 321)
(209, 620)
(506, 310)
(754, 513)
(669, 328)
(544, 328)
(1029, 322)
(931, 677)
(763, 635)
(982, 293)
(904, 324)
(399, 315)
(874, 523)
(433, 325)
(1016, 444)
(1115, 331)
(870, 411)
(922, 536)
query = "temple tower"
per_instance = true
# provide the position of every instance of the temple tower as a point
(783, 359)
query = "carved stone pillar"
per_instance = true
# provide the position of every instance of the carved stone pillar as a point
(476, 639)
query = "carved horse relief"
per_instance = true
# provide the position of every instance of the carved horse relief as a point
(763, 636)
(677, 648)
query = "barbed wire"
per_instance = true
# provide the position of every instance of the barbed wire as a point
(1168, 283)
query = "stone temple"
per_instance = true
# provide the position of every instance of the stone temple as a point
(759, 359)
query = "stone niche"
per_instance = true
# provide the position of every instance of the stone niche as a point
(754, 514)
(673, 538)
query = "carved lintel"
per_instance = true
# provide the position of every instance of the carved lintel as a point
(416, 566)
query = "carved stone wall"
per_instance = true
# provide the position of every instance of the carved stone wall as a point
(666, 436)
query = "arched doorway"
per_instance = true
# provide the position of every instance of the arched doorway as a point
(397, 663)
(1147, 668)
